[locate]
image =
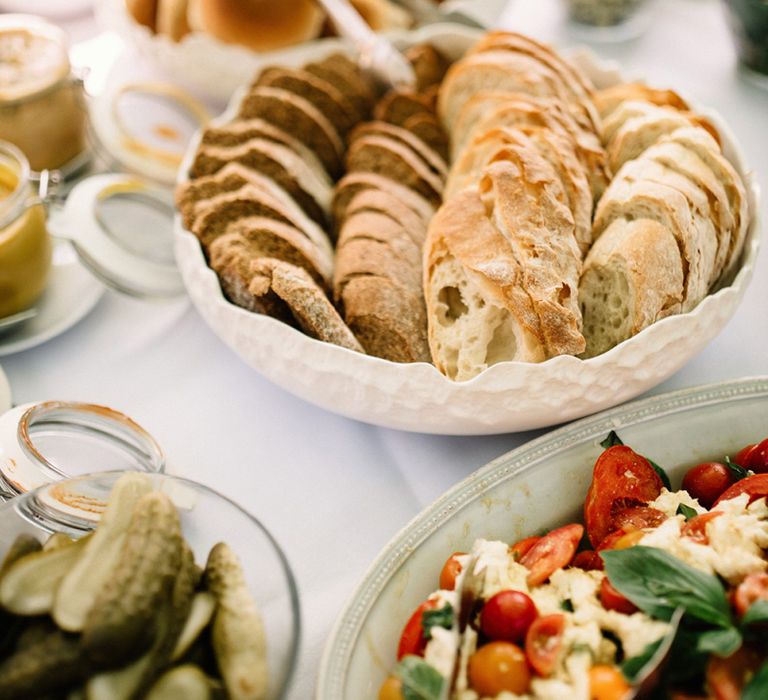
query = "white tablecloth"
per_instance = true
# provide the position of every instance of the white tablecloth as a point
(332, 490)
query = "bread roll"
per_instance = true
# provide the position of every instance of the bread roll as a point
(143, 11)
(260, 25)
(383, 15)
(172, 18)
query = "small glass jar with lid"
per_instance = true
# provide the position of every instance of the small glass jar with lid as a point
(42, 105)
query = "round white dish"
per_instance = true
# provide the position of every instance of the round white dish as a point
(5, 393)
(539, 485)
(71, 293)
(507, 397)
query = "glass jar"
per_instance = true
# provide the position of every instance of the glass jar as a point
(25, 247)
(42, 105)
(46, 442)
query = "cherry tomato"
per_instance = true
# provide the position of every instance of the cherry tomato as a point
(391, 689)
(756, 486)
(451, 570)
(613, 600)
(412, 638)
(638, 518)
(543, 642)
(507, 616)
(607, 683)
(706, 481)
(726, 677)
(696, 527)
(621, 540)
(499, 666)
(753, 588)
(521, 548)
(621, 477)
(552, 552)
(589, 560)
(754, 457)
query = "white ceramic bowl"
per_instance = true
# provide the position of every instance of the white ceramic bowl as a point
(538, 486)
(509, 396)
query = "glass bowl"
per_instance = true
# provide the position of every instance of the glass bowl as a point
(73, 506)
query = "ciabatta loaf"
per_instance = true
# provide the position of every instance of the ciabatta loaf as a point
(633, 276)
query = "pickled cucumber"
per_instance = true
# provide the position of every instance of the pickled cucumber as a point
(80, 587)
(23, 544)
(200, 614)
(122, 624)
(29, 585)
(57, 540)
(238, 632)
(187, 682)
(52, 663)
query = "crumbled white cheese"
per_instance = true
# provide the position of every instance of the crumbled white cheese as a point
(440, 652)
(669, 501)
(499, 569)
(571, 682)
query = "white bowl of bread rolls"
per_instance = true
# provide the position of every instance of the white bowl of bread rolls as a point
(523, 240)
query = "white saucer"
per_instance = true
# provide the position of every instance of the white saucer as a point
(71, 293)
(5, 393)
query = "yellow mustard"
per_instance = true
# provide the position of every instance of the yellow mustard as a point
(25, 247)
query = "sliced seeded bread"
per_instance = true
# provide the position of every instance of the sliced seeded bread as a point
(388, 204)
(428, 64)
(427, 128)
(346, 76)
(399, 104)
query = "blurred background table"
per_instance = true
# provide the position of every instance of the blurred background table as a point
(332, 490)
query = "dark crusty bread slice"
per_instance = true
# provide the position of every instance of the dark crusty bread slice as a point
(428, 64)
(329, 101)
(345, 74)
(277, 162)
(269, 238)
(387, 320)
(388, 204)
(399, 104)
(377, 128)
(353, 183)
(300, 118)
(427, 128)
(273, 280)
(633, 276)
(374, 226)
(386, 156)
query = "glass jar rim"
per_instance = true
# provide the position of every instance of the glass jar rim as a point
(10, 206)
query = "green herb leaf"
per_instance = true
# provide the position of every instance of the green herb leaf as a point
(662, 474)
(442, 617)
(757, 688)
(686, 511)
(632, 666)
(756, 614)
(612, 440)
(420, 680)
(738, 472)
(566, 605)
(723, 642)
(658, 583)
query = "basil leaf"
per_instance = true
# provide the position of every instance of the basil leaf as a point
(420, 680)
(723, 642)
(442, 617)
(662, 474)
(632, 666)
(611, 441)
(738, 472)
(566, 605)
(756, 613)
(658, 583)
(757, 688)
(686, 511)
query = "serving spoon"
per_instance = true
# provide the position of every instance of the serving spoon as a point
(378, 56)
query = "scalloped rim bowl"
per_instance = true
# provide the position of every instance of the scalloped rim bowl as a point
(507, 397)
(539, 485)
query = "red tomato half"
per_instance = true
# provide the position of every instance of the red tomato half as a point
(589, 560)
(753, 588)
(412, 638)
(552, 552)
(696, 527)
(507, 616)
(638, 518)
(543, 642)
(742, 456)
(521, 548)
(706, 481)
(613, 600)
(756, 486)
(726, 677)
(451, 570)
(758, 458)
(621, 479)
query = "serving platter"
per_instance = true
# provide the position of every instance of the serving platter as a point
(513, 497)
(509, 396)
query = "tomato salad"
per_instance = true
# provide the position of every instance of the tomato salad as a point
(659, 591)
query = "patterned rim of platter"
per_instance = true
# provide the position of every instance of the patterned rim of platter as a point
(507, 397)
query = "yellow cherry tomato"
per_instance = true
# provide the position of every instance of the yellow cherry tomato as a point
(499, 666)
(607, 683)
